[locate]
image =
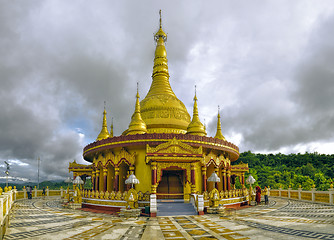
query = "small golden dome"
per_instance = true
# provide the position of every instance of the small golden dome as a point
(137, 125)
(104, 131)
(219, 134)
(196, 127)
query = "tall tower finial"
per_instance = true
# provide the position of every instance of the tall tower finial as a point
(104, 131)
(219, 134)
(160, 18)
(196, 127)
(137, 124)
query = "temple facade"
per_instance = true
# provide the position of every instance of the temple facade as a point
(166, 148)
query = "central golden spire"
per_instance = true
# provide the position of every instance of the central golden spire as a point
(162, 111)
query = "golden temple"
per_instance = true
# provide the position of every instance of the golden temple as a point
(168, 151)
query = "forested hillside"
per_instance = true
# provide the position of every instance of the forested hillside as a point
(279, 170)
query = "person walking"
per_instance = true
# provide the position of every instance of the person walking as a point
(258, 195)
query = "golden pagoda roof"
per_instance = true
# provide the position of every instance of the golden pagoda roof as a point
(219, 134)
(137, 124)
(196, 127)
(104, 131)
(161, 110)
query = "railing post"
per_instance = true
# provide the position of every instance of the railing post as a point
(200, 204)
(300, 192)
(1, 210)
(280, 192)
(313, 193)
(47, 191)
(331, 194)
(153, 205)
(35, 190)
(24, 192)
(289, 193)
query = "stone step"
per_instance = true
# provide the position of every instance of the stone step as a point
(175, 208)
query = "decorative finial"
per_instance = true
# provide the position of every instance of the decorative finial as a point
(137, 95)
(195, 97)
(160, 17)
(219, 134)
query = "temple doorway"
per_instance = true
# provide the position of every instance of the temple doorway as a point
(171, 184)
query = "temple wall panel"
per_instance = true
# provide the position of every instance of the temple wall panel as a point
(198, 177)
(142, 171)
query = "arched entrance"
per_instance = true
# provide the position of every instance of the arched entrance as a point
(171, 185)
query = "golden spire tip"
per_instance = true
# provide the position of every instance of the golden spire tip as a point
(160, 17)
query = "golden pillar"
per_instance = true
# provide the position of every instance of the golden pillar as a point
(204, 179)
(93, 180)
(97, 180)
(228, 179)
(105, 179)
(154, 177)
(193, 182)
(116, 187)
(217, 172)
(224, 179)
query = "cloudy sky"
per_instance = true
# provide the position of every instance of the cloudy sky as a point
(268, 64)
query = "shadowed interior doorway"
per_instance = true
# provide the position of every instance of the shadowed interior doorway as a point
(171, 184)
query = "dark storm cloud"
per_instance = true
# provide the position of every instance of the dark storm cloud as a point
(61, 61)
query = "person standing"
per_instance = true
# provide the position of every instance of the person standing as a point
(265, 194)
(258, 195)
(43, 193)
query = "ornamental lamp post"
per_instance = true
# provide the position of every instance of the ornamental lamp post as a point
(250, 180)
(214, 178)
(78, 181)
(132, 180)
(68, 181)
(7, 172)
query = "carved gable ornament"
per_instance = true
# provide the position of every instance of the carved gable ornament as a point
(174, 146)
(213, 158)
(126, 157)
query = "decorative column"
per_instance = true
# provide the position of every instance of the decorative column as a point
(93, 180)
(224, 179)
(154, 177)
(97, 182)
(193, 183)
(228, 179)
(216, 183)
(204, 179)
(116, 186)
(105, 178)
(243, 178)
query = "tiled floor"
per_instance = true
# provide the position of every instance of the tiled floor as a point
(281, 219)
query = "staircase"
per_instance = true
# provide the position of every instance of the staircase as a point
(175, 207)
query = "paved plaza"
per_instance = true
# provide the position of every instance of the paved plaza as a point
(281, 219)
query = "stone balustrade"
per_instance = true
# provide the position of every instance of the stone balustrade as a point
(326, 197)
(7, 198)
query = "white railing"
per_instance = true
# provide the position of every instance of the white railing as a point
(7, 199)
(326, 197)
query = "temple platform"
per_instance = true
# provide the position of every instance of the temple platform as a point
(280, 219)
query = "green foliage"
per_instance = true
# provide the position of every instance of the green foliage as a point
(293, 170)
